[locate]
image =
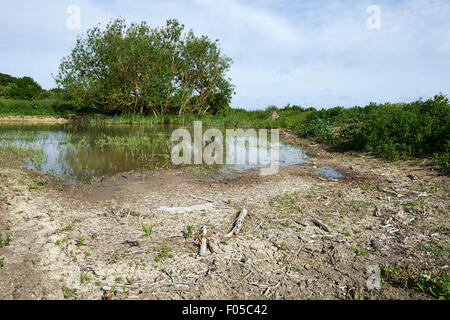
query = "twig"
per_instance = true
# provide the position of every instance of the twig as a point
(238, 224)
(201, 198)
(200, 207)
(203, 244)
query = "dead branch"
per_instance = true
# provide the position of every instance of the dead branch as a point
(204, 241)
(237, 224)
(200, 207)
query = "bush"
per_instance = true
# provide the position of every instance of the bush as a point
(45, 107)
(24, 88)
(319, 129)
(410, 130)
(392, 131)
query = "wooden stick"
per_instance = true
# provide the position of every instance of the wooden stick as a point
(201, 198)
(237, 224)
(199, 207)
(203, 245)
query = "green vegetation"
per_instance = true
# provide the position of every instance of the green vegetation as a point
(25, 97)
(80, 241)
(48, 107)
(24, 88)
(68, 293)
(165, 251)
(128, 212)
(146, 230)
(66, 228)
(188, 231)
(136, 68)
(435, 249)
(6, 79)
(285, 204)
(358, 251)
(289, 118)
(436, 285)
(85, 277)
(5, 242)
(391, 131)
(15, 148)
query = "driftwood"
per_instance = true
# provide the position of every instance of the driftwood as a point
(237, 224)
(203, 242)
(200, 207)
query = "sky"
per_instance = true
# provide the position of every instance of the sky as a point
(303, 52)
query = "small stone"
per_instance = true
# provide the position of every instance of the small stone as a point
(321, 225)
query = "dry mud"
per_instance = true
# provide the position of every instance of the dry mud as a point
(32, 120)
(85, 243)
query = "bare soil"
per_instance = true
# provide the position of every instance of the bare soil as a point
(84, 242)
(32, 120)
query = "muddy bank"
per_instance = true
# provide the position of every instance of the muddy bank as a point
(112, 240)
(33, 120)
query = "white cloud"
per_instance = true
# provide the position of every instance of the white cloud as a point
(262, 21)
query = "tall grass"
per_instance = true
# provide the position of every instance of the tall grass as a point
(230, 118)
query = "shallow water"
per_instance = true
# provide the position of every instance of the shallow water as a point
(76, 154)
(329, 172)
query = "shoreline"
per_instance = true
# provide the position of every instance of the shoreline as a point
(32, 120)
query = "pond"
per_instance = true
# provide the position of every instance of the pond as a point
(77, 154)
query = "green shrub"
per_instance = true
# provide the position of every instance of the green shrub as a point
(24, 88)
(392, 131)
(46, 107)
(319, 129)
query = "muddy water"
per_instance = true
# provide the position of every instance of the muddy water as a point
(78, 154)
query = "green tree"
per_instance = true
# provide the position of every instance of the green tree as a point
(24, 88)
(137, 68)
(6, 79)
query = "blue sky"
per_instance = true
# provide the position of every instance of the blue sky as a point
(306, 52)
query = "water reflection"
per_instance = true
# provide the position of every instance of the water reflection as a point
(329, 172)
(77, 153)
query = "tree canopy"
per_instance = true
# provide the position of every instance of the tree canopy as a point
(138, 68)
(24, 88)
(6, 79)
